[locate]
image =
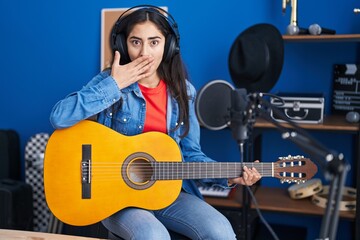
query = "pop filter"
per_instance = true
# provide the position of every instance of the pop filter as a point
(213, 104)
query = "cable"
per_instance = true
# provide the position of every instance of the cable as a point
(260, 215)
(241, 147)
(276, 97)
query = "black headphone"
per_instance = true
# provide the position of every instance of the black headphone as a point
(118, 39)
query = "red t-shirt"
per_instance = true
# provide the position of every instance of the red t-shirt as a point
(156, 98)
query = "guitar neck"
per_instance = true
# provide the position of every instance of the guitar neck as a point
(201, 170)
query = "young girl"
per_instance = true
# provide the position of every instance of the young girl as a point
(146, 89)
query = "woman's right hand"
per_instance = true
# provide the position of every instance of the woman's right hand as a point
(132, 72)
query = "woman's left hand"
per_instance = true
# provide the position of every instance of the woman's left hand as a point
(250, 176)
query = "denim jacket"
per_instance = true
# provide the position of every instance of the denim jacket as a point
(101, 96)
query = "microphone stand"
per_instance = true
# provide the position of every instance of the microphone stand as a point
(333, 164)
(242, 119)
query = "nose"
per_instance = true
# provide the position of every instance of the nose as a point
(144, 50)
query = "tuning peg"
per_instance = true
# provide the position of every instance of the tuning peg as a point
(286, 180)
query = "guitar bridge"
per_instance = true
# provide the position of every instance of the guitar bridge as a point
(86, 172)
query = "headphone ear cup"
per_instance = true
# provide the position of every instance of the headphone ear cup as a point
(171, 47)
(120, 45)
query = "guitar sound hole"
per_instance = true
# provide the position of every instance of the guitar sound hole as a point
(140, 171)
(137, 171)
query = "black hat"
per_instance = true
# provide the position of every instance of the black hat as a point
(256, 58)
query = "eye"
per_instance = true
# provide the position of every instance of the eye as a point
(154, 42)
(135, 42)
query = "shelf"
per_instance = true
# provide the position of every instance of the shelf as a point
(330, 123)
(278, 200)
(275, 200)
(322, 38)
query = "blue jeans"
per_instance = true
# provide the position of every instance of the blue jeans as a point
(188, 215)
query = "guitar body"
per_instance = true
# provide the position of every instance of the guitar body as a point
(92, 171)
(111, 185)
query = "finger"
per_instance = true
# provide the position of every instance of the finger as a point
(250, 176)
(251, 170)
(145, 66)
(245, 176)
(256, 173)
(116, 58)
(142, 76)
(143, 62)
(248, 170)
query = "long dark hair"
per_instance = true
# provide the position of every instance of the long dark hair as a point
(173, 71)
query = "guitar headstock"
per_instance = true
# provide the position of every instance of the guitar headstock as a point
(294, 169)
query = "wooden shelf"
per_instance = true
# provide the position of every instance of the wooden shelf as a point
(275, 200)
(278, 200)
(322, 38)
(330, 123)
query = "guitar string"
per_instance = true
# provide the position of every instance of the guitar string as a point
(147, 172)
(194, 163)
(166, 170)
(174, 176)
(175, 167)
(183, 168)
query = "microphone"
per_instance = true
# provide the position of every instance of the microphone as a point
(315, 29)
(239, 115)
(352, 117)
(292, 29)
(295, 30)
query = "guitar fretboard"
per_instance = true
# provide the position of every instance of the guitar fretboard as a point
(202, 170)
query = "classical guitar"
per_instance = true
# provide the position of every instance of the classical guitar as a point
(91, 171)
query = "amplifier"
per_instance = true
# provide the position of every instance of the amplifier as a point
(300, 108)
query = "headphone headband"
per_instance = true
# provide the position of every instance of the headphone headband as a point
(170, 19)
(118, 41)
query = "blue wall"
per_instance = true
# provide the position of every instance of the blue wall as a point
(51, 48)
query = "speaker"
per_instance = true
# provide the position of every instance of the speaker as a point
(118, 38)
(9, 154)
(16, 205)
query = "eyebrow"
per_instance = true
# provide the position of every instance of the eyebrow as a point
(149, 38)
